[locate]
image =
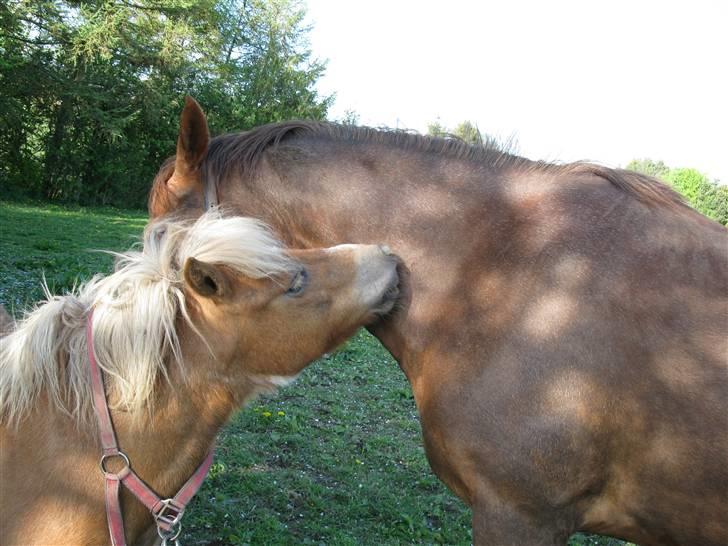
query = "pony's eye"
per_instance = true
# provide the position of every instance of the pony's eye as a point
(298, 283)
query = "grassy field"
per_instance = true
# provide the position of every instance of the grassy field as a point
(336, 458)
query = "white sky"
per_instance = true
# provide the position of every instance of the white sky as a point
(606, 81)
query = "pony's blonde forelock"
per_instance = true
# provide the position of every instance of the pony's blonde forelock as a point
(216, 239)
(135, 309)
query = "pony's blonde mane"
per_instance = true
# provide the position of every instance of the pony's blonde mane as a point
(136, 309)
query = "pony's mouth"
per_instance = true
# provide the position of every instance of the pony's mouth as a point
(389, 298)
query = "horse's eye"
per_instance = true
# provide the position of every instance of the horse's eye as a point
(298, 283)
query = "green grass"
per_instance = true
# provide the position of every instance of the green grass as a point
(336, 458)
(59, 243)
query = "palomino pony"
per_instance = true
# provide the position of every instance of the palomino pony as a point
(564, 327)
(205, 316)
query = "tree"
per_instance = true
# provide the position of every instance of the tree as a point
(649, 167)
(469, 132)
(437, 129)
(466, 131)
(91, 91)
(706, 196)
(350, 117)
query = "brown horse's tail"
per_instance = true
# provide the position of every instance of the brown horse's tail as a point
(7, 324)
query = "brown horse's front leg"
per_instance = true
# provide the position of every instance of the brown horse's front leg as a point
(497, 523)
(506, 463)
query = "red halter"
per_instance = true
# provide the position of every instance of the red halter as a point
(167, 513)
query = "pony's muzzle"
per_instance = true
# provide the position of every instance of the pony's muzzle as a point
(377, 277)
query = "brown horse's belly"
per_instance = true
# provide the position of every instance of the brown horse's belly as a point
(485, 426)
(561, 442)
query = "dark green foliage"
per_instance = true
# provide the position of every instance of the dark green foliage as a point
(707, 197)
(90, 93)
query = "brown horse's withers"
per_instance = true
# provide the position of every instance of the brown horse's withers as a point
(564, 327)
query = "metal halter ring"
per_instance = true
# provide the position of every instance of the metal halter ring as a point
(169, 519)
(171, 535)
(169, 541)
(105, 456)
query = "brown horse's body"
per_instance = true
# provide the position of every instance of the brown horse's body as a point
(564, 329)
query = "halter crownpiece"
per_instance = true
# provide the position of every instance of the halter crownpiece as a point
(167, 513)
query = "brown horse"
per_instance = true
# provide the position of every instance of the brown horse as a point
(564, 327)
(205, 316)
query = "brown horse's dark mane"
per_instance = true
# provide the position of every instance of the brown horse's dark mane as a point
(245, 149)
(237, 153)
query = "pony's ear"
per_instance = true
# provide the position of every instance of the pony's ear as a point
(192, 144)
(207, 280)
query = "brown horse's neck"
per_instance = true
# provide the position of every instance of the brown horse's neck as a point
(356, 196)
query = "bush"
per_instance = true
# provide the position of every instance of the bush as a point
(707, 197)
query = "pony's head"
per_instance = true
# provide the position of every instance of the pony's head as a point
(263, 329)
(218, 297)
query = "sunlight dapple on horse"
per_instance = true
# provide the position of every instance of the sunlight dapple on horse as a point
(563, 327)
(205, 316)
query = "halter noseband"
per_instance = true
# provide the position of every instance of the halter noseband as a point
(168, 512)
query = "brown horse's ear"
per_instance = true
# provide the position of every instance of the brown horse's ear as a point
(205, 279)
(192, 144)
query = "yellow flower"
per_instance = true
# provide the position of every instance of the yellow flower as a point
(281, 413)
(266, 414)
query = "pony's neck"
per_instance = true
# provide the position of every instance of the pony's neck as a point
(164, 445)
(180, 430)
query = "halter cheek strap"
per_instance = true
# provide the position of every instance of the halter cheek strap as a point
(167, 513)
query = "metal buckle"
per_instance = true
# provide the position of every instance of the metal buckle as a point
(169, 519)
(106, 456)
(170, 536)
